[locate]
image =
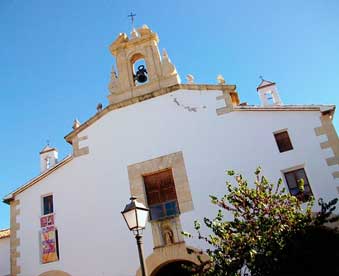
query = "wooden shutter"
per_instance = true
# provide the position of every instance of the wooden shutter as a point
(160, 187)
(283, 141)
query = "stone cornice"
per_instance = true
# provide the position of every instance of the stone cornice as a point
(162, 91)
(321, 108)
(126, 43)
(48, 150)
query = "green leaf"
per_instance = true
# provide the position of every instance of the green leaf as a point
(197, 225)
(214, 199)
(230, 172)
(186, 234)
(257, 171)
(254, 225)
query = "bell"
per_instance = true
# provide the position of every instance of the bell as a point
(141, 75)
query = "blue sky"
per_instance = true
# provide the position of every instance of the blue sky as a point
(55, 63)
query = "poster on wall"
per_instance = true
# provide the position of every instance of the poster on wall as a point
(47, 220)
(48, 245)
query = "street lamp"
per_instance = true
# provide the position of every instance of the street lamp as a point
(135, 215)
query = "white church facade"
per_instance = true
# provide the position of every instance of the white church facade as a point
(168, 144)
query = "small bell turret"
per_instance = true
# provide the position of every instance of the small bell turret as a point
(268, 93)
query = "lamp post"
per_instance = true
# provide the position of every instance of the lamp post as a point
(135, 215)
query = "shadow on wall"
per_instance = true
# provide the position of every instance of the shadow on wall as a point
(55, 273)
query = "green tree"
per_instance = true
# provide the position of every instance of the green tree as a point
(268, 224)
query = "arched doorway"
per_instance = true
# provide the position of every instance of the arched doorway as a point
(176, 268)
(55, 273)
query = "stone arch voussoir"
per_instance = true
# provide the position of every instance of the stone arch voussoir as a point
(165, 255)
(55, 273)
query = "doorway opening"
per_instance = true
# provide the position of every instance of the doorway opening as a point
(177, 268)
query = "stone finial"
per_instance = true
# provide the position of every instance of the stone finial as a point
(134, 34)
(76, 124)
(190, 79)
(114, 83)
(164, 53)
(168, 68)
(221, 79)
(144, 30)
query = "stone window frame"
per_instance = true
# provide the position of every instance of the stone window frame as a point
(174, 161)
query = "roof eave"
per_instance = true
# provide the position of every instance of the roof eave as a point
(328, 109)
(324, 109)
(10, 197)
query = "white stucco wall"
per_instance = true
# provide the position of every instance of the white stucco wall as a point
(4, 257)
(91, 190)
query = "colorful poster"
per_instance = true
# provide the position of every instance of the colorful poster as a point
(47, 220)
(48, 245)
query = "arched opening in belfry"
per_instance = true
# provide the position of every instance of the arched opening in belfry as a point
(139, 69)
(269, 98)
(177, 268)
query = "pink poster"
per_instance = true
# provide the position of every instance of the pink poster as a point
(48, 245)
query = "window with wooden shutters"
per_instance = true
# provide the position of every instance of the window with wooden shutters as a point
(292, 179)
(161, 195)
(283, 141)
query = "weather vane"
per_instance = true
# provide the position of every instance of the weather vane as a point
(261, 77)
(132, 15)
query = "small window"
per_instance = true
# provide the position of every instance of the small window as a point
(292, 178)
(47, 204)
(283, 141)
(161, 195)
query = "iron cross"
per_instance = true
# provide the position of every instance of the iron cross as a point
(132, 15)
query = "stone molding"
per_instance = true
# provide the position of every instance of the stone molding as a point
(77, 150)
(229, 102)
(284, 108)
(14, 239)
(55, 273)
(327, 129)
(159, 228)
(159, 92)
(175, 162)
(165, 255)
